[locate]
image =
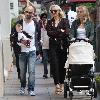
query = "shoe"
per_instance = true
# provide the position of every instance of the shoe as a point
(57, 89)
(87, 93)
(22, 91)
(45, 76)
(61, 87)
(31, 93)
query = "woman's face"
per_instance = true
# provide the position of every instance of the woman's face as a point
(54, 12)
(80, 13)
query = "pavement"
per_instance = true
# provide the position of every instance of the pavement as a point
(44, 88)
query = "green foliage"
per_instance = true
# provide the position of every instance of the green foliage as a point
(97, 78)
(89, 5)
(13, 21)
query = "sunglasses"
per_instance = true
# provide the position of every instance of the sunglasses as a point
(53, 11)
(28, 12)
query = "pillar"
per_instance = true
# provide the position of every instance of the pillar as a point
(5, 49)
(98, 37)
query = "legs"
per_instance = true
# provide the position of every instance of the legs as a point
(23, 68)
(58, 59)
(17, 64)
(27, 60)
(31, 70)
(45, 62)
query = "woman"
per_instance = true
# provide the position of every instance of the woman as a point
(44, 43)
(82, 27)
(57, 30)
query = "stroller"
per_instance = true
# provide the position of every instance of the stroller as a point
(80, 69)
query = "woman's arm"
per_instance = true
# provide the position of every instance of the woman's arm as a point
(64, 29)
(72, 30)
(52, 31)
(91, 31)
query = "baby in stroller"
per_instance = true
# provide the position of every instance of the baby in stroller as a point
(80, 69)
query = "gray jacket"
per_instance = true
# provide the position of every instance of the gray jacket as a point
(89, 27)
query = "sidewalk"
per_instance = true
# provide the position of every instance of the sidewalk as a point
(44, 87)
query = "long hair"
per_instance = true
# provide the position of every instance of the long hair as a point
(85, 12)
(61, 13)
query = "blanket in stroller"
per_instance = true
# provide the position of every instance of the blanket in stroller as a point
(80, 53)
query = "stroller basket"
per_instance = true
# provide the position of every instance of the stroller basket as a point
(78, 70)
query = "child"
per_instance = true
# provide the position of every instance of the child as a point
(23, 37)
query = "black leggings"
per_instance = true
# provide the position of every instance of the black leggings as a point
(57, 62)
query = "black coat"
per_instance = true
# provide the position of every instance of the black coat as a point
(57, 37)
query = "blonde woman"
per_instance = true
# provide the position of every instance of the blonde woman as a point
(82, 27)
(57, 30)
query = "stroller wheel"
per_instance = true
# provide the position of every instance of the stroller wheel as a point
(70, 95)
(65, 89)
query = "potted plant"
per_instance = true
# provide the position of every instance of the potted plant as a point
(97, 78)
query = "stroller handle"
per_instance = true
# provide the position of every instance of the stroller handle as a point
(79, 40)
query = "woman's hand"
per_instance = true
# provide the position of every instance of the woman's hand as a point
(41, 42)
(62, 30)
(86, 39)
(73, 39)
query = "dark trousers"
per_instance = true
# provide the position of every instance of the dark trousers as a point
(17, 62)
(57, 61)
(45, 61)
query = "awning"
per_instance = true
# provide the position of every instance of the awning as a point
(76, 1)
(22, 0)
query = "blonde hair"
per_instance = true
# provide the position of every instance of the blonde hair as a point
(61, 13)
(85, 11)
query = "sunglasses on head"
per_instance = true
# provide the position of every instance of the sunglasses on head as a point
(28, 12)
(53, 11)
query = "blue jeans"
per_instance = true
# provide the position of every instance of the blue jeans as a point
(27, 59)
(45, 60)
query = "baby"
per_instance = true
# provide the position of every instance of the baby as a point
(23, 37)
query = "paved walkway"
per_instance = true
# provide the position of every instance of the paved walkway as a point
(44, 88)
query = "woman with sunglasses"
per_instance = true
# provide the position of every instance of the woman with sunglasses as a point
(58, 32)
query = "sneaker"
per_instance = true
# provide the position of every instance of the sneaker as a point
(31, 93)
(87, 93)
(22, 91)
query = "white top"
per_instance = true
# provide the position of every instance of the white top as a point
(28, 28)
(44, 39)
(71, 17)
(81, 33)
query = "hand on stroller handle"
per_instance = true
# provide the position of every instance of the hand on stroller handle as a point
(78, 40)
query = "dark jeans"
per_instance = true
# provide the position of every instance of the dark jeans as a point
(17, 62)
(27, 59)
(45, 60)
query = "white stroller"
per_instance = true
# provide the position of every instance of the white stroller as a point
(80, 69)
